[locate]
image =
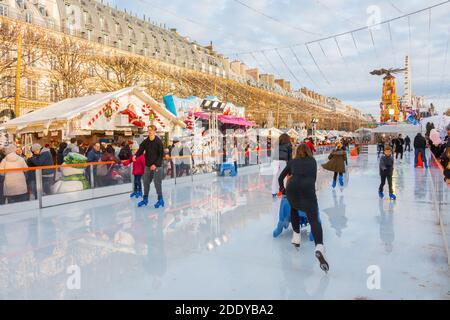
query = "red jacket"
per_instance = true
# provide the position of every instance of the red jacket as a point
(138, 165)
(311, 146)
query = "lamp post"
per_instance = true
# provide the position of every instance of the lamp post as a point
(314, 123)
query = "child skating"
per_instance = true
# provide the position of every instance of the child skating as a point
(138, 172)
(386, 171)
(336, 164)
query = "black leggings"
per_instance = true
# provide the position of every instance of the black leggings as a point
(336, 175)
(383, 182)
(313, 220)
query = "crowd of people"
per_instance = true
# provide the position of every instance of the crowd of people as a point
(439, 147)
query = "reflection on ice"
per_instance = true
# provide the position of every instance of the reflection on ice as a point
(213, 240)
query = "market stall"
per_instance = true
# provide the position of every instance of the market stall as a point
(114, 116)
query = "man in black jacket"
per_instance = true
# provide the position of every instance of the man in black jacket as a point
(42, 157)
(419, 147)
(408, 143)
(399, 142)
(153, 150)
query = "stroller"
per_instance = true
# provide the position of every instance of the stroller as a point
(285, 218)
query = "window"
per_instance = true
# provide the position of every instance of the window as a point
(85, 16)
(28, 17)
(54, 92)
(3, 10)
(102, 22)
(89, 35)
(42, 10)
(20, 3)
(31, 89)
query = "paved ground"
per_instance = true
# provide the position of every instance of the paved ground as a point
(214, 241)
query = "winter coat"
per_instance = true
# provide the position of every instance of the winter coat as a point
(42, 160)
(301, 187)
(15, 183)
(420, 142)
(153, 150)
(125, 153)
(407, 141)
(93, 155)
(285, 152)
(138, 165)
(337, 161)
(386, 165)
(398, 143)
(311, 146)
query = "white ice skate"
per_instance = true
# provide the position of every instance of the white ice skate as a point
(296, 239)
(320, 255)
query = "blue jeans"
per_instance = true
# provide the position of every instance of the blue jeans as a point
(416, 156)
(138, 183)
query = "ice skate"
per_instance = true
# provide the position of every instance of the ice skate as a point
(144, 202)
(320, 255)
(160, 203)
(133, 194)
(392, 196)
(138, 194)
(381, 195)
(296, 239)
(341, 181)
(333, 185)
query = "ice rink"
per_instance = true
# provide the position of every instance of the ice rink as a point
(214, 241)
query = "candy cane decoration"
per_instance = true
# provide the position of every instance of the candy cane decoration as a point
(113, 104)
(148, 111)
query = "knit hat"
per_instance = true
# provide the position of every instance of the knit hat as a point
(10, 149)
(36, 147)
(448, 127)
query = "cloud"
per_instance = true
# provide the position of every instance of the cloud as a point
(234, 28)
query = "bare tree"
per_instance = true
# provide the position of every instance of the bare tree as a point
(117, 72)
(32, 41)
(69, 67)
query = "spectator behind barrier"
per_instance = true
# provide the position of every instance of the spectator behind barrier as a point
(15, 184)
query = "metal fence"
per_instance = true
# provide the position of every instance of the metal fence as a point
(440, 196)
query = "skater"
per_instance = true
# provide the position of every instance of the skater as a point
(301, 194)
(336, 164)
(419, 148)
(386, 170)
(398, 143)
(284, 155)
(408, 143)
(153, 149)
(138, 172)
(380, 146)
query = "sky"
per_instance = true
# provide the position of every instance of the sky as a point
(251, 30)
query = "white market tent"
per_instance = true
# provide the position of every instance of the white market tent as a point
(404, 129)
(79, 116)
(440, 122)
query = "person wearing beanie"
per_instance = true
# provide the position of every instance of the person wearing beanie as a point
(15, 183)
(42, 157)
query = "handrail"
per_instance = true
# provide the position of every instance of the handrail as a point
(87, 164)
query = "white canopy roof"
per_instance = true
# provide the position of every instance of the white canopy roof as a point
(70, 108)
(440, 122)
(398, 128)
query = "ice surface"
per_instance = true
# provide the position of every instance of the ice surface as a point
(214, 241)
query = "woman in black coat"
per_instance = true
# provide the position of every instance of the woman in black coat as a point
(301, 194)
